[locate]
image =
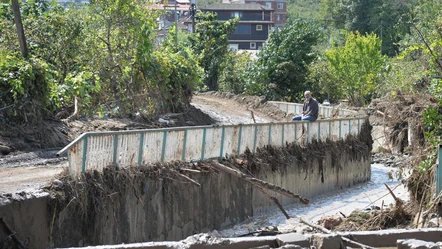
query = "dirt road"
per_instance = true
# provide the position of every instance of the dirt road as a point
(228, 111)
(29, 171)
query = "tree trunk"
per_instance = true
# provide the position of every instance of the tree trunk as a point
(20, 31)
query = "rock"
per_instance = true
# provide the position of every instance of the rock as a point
(4, 150)
(292, 239)
(323, 241)
(435, 222)
(330, 222)
(58, 183)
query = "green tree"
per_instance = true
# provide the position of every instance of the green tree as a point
(323, 83)
(389, 19)
(210, 41)
(282, 66)
(357, 66)
(234, 74)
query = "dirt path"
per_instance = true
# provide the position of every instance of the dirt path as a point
(29, 171)
(13, 180)
(228, 111)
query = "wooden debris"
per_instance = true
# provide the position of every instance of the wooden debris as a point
(187, 178)
(275, 201)
(260, 183)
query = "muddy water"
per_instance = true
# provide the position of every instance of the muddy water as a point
(361, 196)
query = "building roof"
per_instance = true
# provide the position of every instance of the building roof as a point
(235, 6)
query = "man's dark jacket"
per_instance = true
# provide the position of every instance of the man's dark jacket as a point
(311, 108)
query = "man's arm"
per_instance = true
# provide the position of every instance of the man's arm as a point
(304, 109)
(314, 109)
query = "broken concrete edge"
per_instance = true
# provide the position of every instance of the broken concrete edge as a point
(8, 198)
(414, 243)
(225, 243)
(381, 238)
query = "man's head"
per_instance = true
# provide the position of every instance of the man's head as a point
(307, 95)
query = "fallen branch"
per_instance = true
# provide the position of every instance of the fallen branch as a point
(191, 170)
(275, 201)
(187, 178)
(354, 243)
(260, 183)
(320, 228)
(325, 230)
(397, 200)
(75, 114)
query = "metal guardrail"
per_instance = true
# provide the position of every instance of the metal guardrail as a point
(324, 111)
(96, 150)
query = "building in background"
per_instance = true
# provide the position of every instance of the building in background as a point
(254, 26)
(280, 9)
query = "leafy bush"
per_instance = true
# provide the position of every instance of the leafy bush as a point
(234, 72)
(23, 88)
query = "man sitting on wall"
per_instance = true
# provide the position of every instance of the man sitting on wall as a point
(310, 109)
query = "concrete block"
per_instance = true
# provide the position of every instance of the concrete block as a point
(416, 244)
(388, 238)
(293, 239)
(291, 247)
(327, 241)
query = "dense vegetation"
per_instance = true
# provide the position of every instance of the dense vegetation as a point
(104, 55)
(101, 55)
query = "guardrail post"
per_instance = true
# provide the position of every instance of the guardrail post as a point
(183, 155)
(141, 149)
(163, 149)
(270, 134)
(307, 132)
(115, 150)
(221, 150)
(349, 127)
(319, 131)
(255, 137)
(439, 171)
(83, 162)
(340, 129)
(329, 129)
(239, 140)
(203, 145)
(282, 136)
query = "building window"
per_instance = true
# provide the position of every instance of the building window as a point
(243, 29)
(278, 18)
(259, 27)
(234, 47)
(236, 14)
(252, 45)
(280, 5)
(268, 4)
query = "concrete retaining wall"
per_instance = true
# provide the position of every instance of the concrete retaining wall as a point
(157, 209)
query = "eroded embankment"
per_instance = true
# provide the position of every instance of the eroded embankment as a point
(152, 203)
